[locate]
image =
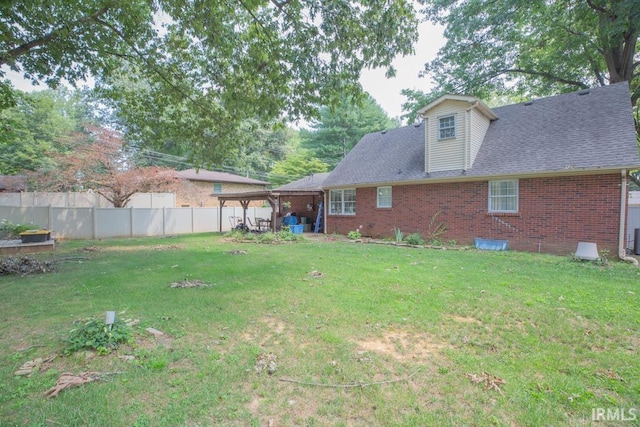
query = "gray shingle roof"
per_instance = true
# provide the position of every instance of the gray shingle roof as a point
(312, 182)
(574, 131)
(211, 176)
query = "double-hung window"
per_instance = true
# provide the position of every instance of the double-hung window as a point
(384, 197)
(217, 188)
(503, 196)
(342, 202)
(447, 127)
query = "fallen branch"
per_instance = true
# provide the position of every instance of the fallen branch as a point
(39, 365)
(360, 385)
(67, 380)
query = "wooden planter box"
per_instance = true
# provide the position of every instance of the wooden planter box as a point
(35, 236)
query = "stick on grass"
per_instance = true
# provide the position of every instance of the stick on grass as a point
(360, 385)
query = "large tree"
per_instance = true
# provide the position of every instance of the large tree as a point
(191, 72)
(98, 160)
(36, 125)
(294, 167)
(339, 128)
(534, 47)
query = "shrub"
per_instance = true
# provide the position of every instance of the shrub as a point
(95, 334)
(435, 230)
(13, 231)
(286, 235)
(414, 239)
(268, 237)
(354, 235)
(398, 234)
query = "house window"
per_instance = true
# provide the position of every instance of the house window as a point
(384, 197)
(342, 202)
(217, 188)
(447, 127)
(503, 196)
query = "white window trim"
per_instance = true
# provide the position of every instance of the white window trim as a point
(455, 121)
(342, 202)
(378, 204)
(491, 196)
(214, 188)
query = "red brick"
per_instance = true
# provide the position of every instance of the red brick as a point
(554, 214)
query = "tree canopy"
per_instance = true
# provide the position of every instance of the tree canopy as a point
(36, 125)
(190, 72)
(294, 167)
(338, 129)
(533, 47)
(97, 160)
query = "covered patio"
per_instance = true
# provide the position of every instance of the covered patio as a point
(305, 195)
(273, 197)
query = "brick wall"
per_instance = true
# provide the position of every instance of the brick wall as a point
(554, 213)
(299, 206)
(200, 193)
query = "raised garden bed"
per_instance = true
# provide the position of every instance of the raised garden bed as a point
(35, 236)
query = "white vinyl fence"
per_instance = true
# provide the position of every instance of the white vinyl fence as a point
(98, 223)
(633, 222)
(85, 200)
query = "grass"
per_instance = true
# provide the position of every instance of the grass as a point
(412, 326)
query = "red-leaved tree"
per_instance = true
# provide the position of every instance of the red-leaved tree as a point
(96, 160)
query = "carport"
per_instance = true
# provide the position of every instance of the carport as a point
(246, 198)
(271, 196)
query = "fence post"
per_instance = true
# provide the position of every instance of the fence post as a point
(131, 221)
(192, 222)
(95, 222)
(164, 221)
(49, 218)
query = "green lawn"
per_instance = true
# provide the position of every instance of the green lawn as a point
(362, 334)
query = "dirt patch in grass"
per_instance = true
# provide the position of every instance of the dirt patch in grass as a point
(268, 330)
(403, 345)
(89, 249)
(464, 319)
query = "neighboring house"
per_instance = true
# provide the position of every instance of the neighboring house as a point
(200, 188)
(13, 183)
(543, 174)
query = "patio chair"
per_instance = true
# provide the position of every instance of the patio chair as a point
(251, 226)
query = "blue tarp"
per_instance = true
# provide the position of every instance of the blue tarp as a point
(491, 244)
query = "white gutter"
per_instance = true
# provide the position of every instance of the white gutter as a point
(622, 253)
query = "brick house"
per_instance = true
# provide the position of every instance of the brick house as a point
(201, 188)
(304, 195)
(13, 183)
(543, 174)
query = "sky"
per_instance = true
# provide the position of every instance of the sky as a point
(385, 91)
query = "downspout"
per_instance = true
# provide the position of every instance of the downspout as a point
(622, 254)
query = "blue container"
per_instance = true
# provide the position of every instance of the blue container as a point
(491, 244)
(296, 229)
(289, 220)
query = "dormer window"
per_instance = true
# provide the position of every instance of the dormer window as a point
(447, 127)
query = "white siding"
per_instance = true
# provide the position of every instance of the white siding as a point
(479, 127)
(447, 154)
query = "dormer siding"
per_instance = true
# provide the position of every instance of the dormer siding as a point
(457, 152)
(479, 124)
(443, 154)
